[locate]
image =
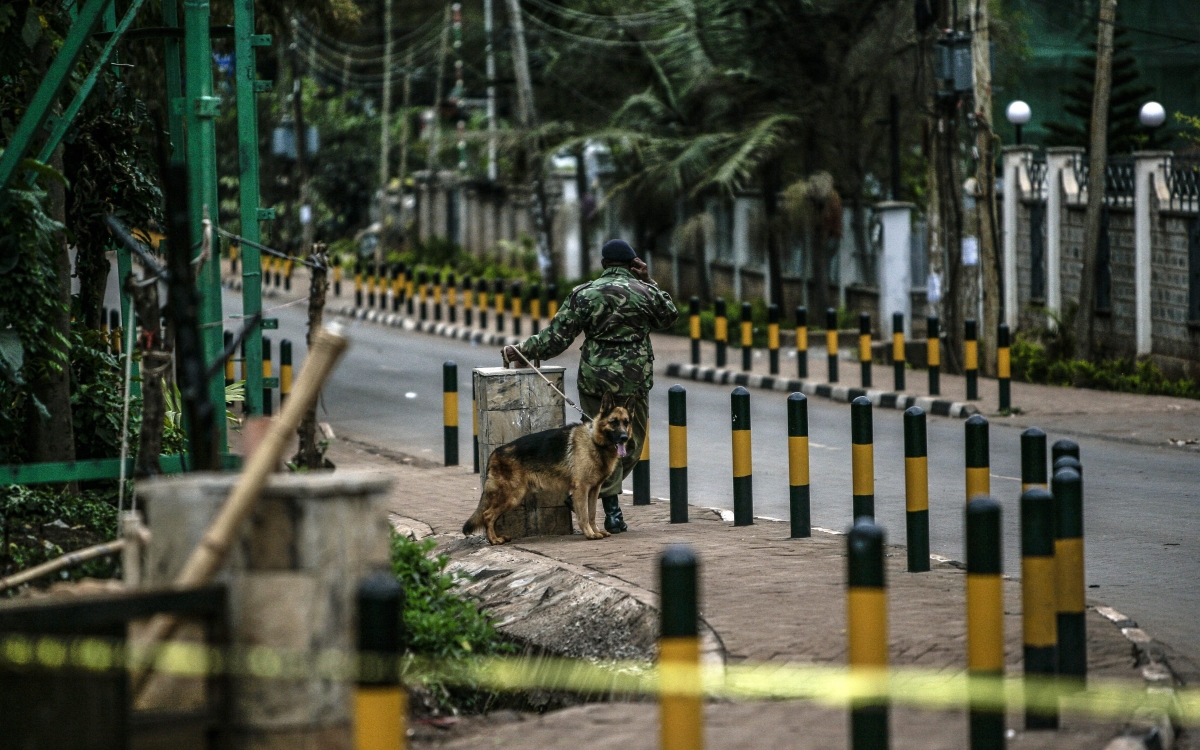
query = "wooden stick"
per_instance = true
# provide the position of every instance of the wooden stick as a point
(58, 563)
(327, 347)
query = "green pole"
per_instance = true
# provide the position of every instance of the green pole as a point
(866, 630)
(985, 624)
(798, 478)
(898, 352)
(831, 343)
(743, 479)
(677, 452)
(971, 355)
(978, 471)
(933, 355)
(916, 489)
(247, 89)
(1069, 574)
(773, 337)
(802, 342)
(1004, 366)
(1039, 627)
(747, 326)
(864, 347)
(681, 706)
(450, 412)
(694, 328)
(862, 457)
(721, 332)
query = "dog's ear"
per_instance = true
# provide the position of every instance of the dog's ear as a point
(607, 403)
(629, 404)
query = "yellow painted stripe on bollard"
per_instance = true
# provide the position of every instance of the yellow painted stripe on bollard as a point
(741, 453)
(985, 623)
(747, 333)
(864, 347)
(802, 338)
(978, 481)
(450, 408)
(1038, 612)
(797, 461)
(863, 458)
(916, 483)
(408, 289)
(645, 447)
(500, 303)
(694, 327)
(437, 295)
(379, 718)
(677, 441)
(1068, 554)
(831, 342)
(1038, 485)
(773, 336)
(897, 347)
(867, 609)
(972, 355)
(1003, 362)
(933, 353)
(285, 380)
(722, 331)
(681, 706)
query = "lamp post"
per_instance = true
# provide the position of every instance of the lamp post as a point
(1018, 113)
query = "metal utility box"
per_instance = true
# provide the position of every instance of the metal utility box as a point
(510, 404)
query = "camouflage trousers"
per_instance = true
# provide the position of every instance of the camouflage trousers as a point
(638, 417)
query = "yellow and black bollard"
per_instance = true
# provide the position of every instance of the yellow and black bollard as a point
(747, 336)
(798, 494)
(288, 265)
(233, 258)
(743, 479)
(268, 400)
(337, 278)
(535, 308)
(551, 301)
(985, 625)
(1033, 459)
(468, 288)
(773, 338)
(1039, 614)
(499, 291)
(228, 365)
(114, 330)
(277, 265)
(402, 288)
(933, 355)
(641, 474)
(1064, 447)
(678, 452)
(409, 290)
(474, 428)
(898, 352)
(516, 308)
(380, 704)
(916, 489)
(971, 359)
(721, 330)
(680, 699)
(437, 284)
(452, 298)
(862, 457)
(450, 412)
(802, 342)
(370, 285)
(1069, 576)
(423, 293)
(397, 286)
(694, 328)
(864, 347)
(867, 631)
(1004, 367)
(285, 371)
(358, 284)
(979, 481)
(831, 343)
(481, 298)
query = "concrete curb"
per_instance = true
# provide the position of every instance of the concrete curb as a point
(436, 328)
(882, 399)
(1150, 728)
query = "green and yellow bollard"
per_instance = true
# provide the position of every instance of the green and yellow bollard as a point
(916, 489)
(1064, 447)
(801, 342)
(370, 284)
(985, 624)
(898, 352)
(677, 449)
(450, 412)
(535, 308)
(474, 428)
(773, 338)
(437, 284)
(285, 371)
(694, 328)
(747, 326)
(337, 279)
(641, 474)
(468, 288)
(831, 343)
(498, 289)
(268, 408)
(422, 294)
(798, 489)
(516, 308)
(228, 338)
(862, 457)
(452, 298)
(864, 347)
(1033, 459)
(551, 301)
(402, 287)
(1039, 611)
(720, 330)
(979, 481)
(409, 291)
(397, 286)
(358, 284)
(743, 479)
(867, 631)
(1004, 367)
(933, 354)
(1069, 576)
(380, 703)
(680, 699)
(481, 290)
(971, 359)
(287, 272)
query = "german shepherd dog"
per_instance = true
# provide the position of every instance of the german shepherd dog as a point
(574, 459)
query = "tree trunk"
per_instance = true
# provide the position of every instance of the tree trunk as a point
(1085, 321)
(581, 190)
(155, 362)
(985, 178)
(311, 453)
(950, 192)
(770, 214)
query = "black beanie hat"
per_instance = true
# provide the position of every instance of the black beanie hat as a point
(618, 250)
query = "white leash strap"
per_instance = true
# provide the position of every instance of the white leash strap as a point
(554, 387)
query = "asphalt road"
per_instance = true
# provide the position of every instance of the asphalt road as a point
(1142, 503)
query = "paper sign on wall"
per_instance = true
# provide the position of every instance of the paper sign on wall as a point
(970, 251)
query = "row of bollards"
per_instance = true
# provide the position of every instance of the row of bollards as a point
(286, 371)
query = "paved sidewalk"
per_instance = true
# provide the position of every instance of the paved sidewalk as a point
(768, 599)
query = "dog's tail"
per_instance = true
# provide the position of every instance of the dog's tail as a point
(476, 519)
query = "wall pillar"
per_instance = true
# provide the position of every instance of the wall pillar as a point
(1015, 169)
(1148, 169)
(1058, 159)
(895, 266)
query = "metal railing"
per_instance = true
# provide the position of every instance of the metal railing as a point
(1118, 180)
(1035, 166)
(1183, 182)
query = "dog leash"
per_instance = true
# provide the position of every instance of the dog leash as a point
(543, 377)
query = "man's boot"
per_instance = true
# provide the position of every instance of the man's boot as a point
(614, 522)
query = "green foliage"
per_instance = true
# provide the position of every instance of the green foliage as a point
(1035, 361)
(40, 523)
(1191, 125)
(97, 397)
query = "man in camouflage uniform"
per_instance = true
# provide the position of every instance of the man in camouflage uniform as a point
(616, 313)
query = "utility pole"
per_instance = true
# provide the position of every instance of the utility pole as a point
(386, 110)
(985, 181)
(533, 151)
(404, 125)
(491, 89)
(432, 164)
(1085, 321)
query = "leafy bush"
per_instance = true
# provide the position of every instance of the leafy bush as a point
(1036, 361)
(41, 523)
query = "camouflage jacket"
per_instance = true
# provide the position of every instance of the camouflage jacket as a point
(616, 313)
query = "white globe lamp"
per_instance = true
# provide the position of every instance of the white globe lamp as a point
(1018, 113)
(1152, 115)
